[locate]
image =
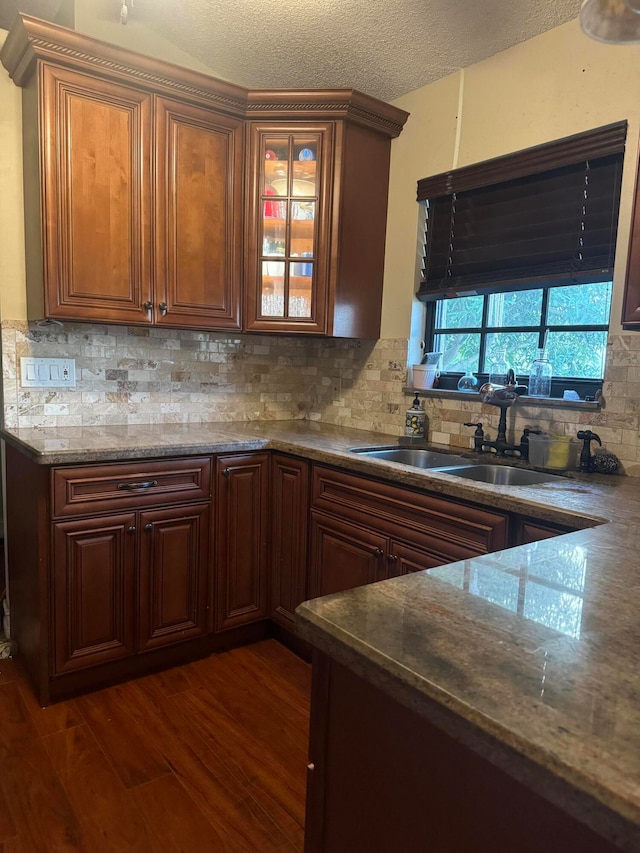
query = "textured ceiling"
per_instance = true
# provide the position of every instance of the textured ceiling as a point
(383, 48)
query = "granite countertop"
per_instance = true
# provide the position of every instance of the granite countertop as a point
(530, 655)
(576, 502)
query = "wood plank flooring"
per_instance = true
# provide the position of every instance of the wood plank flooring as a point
(210, 756)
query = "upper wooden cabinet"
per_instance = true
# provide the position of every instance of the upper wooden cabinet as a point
(198, 217)
(124, 171)
(316, 231)
(142, 207)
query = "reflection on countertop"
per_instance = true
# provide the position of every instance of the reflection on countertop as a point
(548, 592)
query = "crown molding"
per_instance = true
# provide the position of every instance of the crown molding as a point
(32, 40)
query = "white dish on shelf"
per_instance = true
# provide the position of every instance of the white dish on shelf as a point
(300, 188)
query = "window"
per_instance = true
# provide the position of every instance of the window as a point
(470, 330)
(520, 248)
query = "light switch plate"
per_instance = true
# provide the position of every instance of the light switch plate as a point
(48, 372)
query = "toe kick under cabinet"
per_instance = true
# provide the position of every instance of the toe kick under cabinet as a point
(110, 564)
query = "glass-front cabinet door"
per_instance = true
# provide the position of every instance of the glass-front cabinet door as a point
(287, 267)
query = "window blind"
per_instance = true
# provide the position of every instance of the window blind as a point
(554, 219)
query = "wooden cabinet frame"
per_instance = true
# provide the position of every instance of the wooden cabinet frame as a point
(162, 123)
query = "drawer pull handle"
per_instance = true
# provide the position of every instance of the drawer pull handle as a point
(226, 472)
(378, 552)
(392, 558)
(163, 308)
(148, 305)
(148, 526)
(131, 487)
(131, 529)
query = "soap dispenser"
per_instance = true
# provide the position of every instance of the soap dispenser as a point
(416, 420)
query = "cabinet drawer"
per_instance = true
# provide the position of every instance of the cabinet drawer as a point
(405, 513)
(103, 488)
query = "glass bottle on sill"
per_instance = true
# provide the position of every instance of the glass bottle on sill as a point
(540, 376)
(499, 369)
(468, 382)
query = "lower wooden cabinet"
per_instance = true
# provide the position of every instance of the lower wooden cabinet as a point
(242, 530)
(94, 591)
(173, 575)
(363, 530)
(384, 779)
(110, 567)
(528, 530)
(343, 556)
(117, 562)
(129, 582)
(289, 536)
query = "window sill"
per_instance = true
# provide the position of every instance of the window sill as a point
(538, 402)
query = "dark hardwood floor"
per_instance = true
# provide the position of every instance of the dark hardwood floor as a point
(210, 756)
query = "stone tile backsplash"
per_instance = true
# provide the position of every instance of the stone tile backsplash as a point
(129, 375)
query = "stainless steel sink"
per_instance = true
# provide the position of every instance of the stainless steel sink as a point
(418, 457)
(500, 475)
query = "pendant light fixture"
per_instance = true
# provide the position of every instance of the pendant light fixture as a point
(612, 21)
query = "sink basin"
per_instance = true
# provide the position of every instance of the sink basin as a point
(500, 475)
(418, 457)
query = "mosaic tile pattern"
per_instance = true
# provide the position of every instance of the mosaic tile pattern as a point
(130, 375)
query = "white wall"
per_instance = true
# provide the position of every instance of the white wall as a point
(551, 86)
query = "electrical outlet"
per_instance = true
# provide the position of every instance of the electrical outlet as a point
(48, 372)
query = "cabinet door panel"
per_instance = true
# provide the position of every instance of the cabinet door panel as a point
(96, 191)
(289, 219)
(198, 217)
(404, 559)
(94, 591)
(289, 526)
(454, 527)
(242, 519)
(174, 569)
(343, 556)
(531, 530)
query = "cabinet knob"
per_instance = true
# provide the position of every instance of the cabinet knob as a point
(378, 552)
(148, 526)
(226, 472)
(131, 529)
(392, 558)
(163, 308)
(147, 305)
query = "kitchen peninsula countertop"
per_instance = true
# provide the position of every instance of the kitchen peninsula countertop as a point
(530, 656)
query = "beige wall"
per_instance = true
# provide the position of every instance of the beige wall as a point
(12, 277)
(551, 86)
(100, 20)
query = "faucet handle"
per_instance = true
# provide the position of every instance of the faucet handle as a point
(587, 435)
(477, 426)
